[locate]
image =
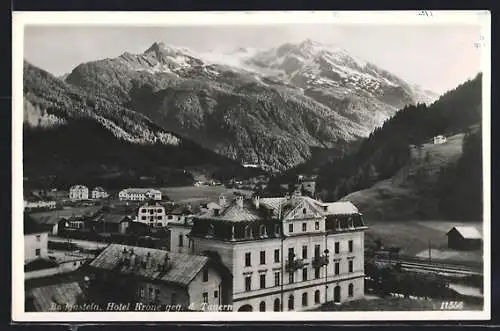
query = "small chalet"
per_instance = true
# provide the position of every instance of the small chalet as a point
(111, 223)
(153, 276)
(464, 238)
(439, 139)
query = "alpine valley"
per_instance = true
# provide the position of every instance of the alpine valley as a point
(273, 108)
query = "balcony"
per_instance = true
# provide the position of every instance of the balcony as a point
(292, 265)
(319, 261)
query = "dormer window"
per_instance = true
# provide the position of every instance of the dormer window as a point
(248, 232)
(304, 211)
(262, 230)
(211, 230)
(277, 229)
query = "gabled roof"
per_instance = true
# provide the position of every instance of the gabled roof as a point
(62, 294)
(54, 216)
(99, 189)
(339, 208)
(233, 213)
(113, 218)
(184, 267)
(79, 187)
(467, 232)
(140, 190)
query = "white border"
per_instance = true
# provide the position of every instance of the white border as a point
(20, 19)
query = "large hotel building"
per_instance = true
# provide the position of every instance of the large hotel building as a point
(290, 253)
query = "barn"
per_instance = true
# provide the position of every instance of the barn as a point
(464, 238)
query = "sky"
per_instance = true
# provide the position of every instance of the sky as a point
(436, 57)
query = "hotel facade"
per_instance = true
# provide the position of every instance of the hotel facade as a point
(290, 253)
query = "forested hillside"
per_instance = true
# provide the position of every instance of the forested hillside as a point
(387, 149)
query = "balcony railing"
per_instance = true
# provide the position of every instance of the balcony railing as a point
(320, 261)
(292, 265)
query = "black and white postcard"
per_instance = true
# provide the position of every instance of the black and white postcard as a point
(239, 166)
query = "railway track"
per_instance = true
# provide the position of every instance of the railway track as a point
(435, 267)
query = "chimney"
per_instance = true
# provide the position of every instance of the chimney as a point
(133, 258)
(239, 201)
(124, 255)
(222, 201)
(148, 261)
(166, 263)
(256, 201)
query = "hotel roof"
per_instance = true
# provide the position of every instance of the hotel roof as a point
(183, 267)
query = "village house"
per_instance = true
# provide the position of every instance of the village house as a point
(63, 220)
(439, 139)
(464, 238)
(139, 194)
(147, 276)
(108, 223)
(178, 214)
(99, 193)
(35, 240)
(289, 253)
(152, 214)
(78, 192)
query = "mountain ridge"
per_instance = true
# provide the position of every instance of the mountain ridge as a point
(270, 120)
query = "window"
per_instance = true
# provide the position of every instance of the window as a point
(277, 229)
(277, 305)
(143, 210)
(276, 255)
(181, 240)
(304, 274)
(248, 283)
(263, 281)
(159, 217)
(291, 301)
(316, 225)
(304, 211)
(170, 217)
(316, 296)
(159, 210)
(317, 249)
(290, 278)
(150, 293)
(304, 252)
(247, 259)
(290, 227)
(337, 268)
(38, 237)
(205, 275)
(143, 218)
(141, 292)
(304, 227)
(316, 273)
(262, 257)
(350, 290)
(263, 231)
(74, 264)
(337, 247)
(262, 306)
(37, 252)
(248, 232)
(291, 254)
(350, 246)
(277, 277)
(304, 299)
(350, 265)
(205, 297)
(157, 295)
(216, 294)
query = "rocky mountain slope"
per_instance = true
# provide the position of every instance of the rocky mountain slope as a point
(262, 107)
(73, 136)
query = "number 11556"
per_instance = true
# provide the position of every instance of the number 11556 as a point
(452, 305)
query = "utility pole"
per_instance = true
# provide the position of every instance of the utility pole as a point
(430, 251)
